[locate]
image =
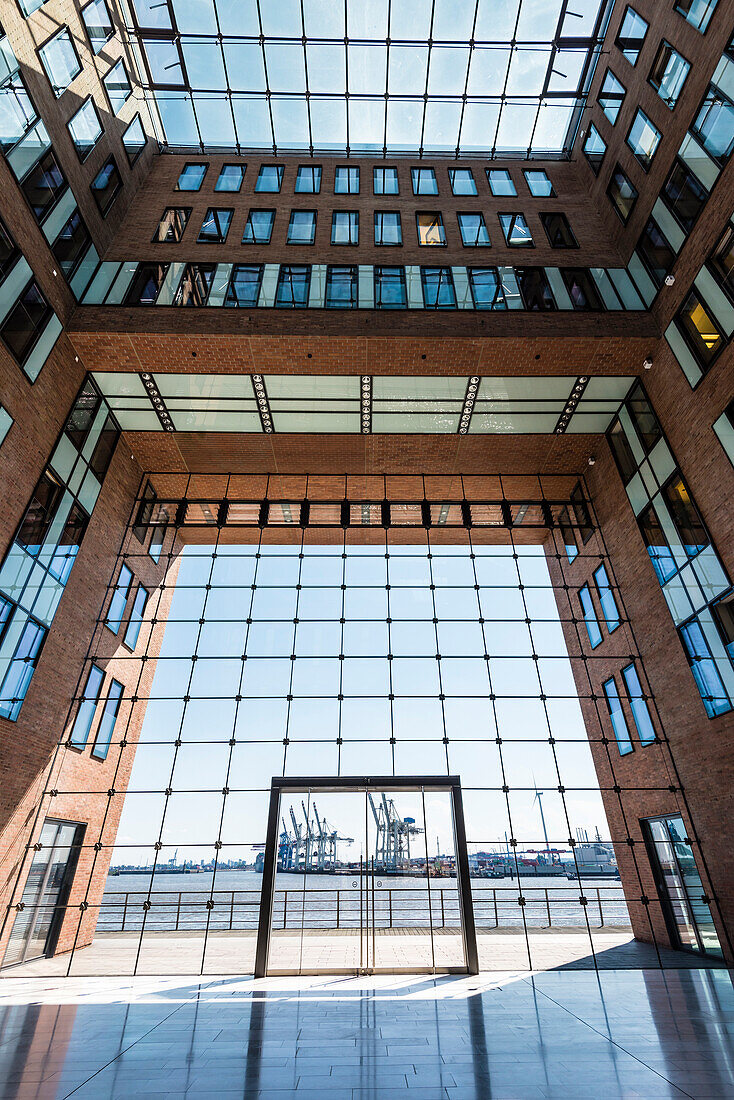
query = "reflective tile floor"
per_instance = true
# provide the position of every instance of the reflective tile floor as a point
(560, 1034)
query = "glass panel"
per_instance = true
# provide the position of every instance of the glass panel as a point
(643, 139)
(60, 61)
(611, 96)
(99, 24)
(85, 128)
(622, 193)
(594, 148)
(516, 230)
(631, 35)
(696, 12)
(668, 74)
(500, 182)
(700, 330)
(430, 229)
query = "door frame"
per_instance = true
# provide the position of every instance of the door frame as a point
(354, 784)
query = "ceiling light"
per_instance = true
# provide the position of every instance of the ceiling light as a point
(647, 363)
(669, 280)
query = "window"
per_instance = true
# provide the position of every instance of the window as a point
(107, 722)
(619, 722)
(196, 282)
(714, 125)
(703, 668)
(594, 148)
(172, 225)
(20, 670)
(558, 231)
(146, 284)
(258, 227)
(668, 74)
(611, 96)
(696, 12)
(230, 177)
(215, 227)
(269, 178)
(462, 181)
(657, 255)
(424, 181)
(98, 23)
(699, 329)
(688, 523)
(294, 281)
(438, 288)
(39, 514)
(136, 617)
(87, 706)
(581, 288)
(516, 231)
(644, 419)
(622, 194)
(643, 139)
(345, 227)
(104, 448)
(133, 140)
(85, 129)
(29, 6)
(71, 244)
(631, 35)
(592, 626)
(656, 544)
(346, 181)
(385, 181)
(244, 285)
(302, 227)
(390, 291)
(191, 177)
(534, 288)
(60, 60)
(341, 287)
(722, 262)
(9, 252)
(23, 326)
(684, 196)
(622, 451)
(606, 599)
(581, 513)
(640, 713)
(430, 229)
(473, 229)
(82, 415)
(44, 185)
(538, 184)
(723, 613)
(568, 534)
(117, 85)
(388, 229)
(486, 288)
(308, 179)
(500, 182)
(106, 186)
(67, 546)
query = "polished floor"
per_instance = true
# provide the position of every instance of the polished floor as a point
(558, 1034)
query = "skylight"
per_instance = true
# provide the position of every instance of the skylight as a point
(453, 77)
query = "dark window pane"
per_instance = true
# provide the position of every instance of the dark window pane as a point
(534, 287)
(68, 544)
(341, 288)
(558, 230)
(486, 288)
(568, 534)
(146, 284)
(688, 523)
(648, 427)
(25, 322)
(244, 285)
(589, 612)
(581, 288)
(44, 185)
(195, 285)
(71, 244)
(40, 513)
(582, 514)
(438, 288)
(700, 330)
(106, 185)
(594, 148)
(173, 223)
(82, 415)
(622, 193)
(684, 196)
(9, 252)
(622, 451)
(104, 448)
(215, 227)
(293, 285)
(657, 255)
(390, 291)
(722, 261)
(657, 544)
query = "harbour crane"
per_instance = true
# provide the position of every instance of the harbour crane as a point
(393, 833)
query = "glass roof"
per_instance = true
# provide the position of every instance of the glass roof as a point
(471, 77)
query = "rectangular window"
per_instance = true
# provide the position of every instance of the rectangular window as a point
(230, 177)
(106, 728)
(341, 287)
(592, 625)
(640, 713)
(430, 229)
(191, 177)
(60, 60)
(534, 288)
(85, 128)
(20, 670)
(700, 331)
(696, 12)
(104, 448)
(714, 125)
(258, 227)
(345, 227)
(424, 181)
(568, 535)
(98, 23)
(703, 668)
(308, 179)
(657, 255)
(68, 544)
(643, 139)
(244, 285)
(117, 85)
(473, 230)
(631, 35)
(486, 288)
(684, 196)
(656, 543)
(608, 603)
(558, 231)
(196, 282)
(346, 180)
(136, 617)
(616, 714)
(294, 281)
(71, 244)
(388, 228)
(302, 227)
(581, 513)
(594, 148)
(269, 178)
(581, 288)
(39, 514)
(462, 181)
(23, 326)
(106, 186)
(146, 284)
(44, 185)
(611, 96)
(82, 415)
(723, 613)
(385, 181)
(668, 73)
(9, 252)
(622, 194)
(538, 184)
(438, 288)
(172, 225)
(644, 419)
(688, 523)
(29, 6)
(500, 182)
(722, 262)
(215, 227)
(516, 230)
(390, 290)
(622, 451)
(133, 140)
(87, 706)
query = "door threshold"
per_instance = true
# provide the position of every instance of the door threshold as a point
(361, 972)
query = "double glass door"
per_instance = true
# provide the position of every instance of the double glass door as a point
(365, 875)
